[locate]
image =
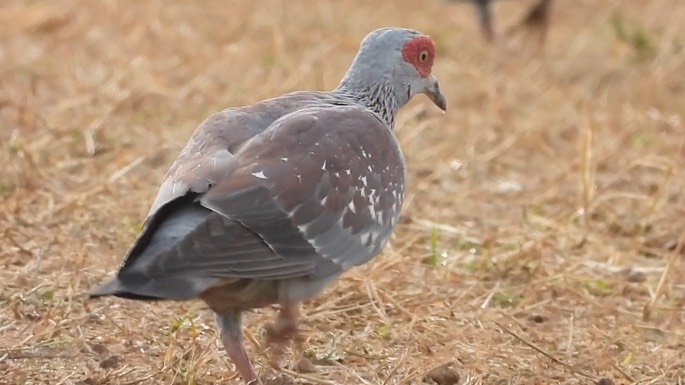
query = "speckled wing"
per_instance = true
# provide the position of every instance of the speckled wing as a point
(208, 154)
(314, 194)
(330, 179)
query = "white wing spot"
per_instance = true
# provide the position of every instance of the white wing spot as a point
(348, 172)
(291, 213)
(351, 207)
(373, 214)
(303, 228)
(372, 197)
(284, 159)
(364, 181)
(259, 175)
(364, 237)
(323, 166)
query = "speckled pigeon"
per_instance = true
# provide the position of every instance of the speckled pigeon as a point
(270, 202)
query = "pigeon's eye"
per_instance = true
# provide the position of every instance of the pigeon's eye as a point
(423, 56)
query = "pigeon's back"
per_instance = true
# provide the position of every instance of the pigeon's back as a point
(246, 232)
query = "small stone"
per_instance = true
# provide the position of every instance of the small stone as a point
(670, 244)
(605, 381)
(508, 186)
(110, 362)
(538, 319)
(442, 375)
(636, 276)
(305, 365)
(100, 350)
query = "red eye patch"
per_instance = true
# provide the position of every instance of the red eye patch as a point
(420, 52)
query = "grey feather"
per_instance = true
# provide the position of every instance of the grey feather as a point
(293, 190)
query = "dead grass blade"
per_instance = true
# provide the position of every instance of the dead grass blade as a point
(543, 352)
(647, 310)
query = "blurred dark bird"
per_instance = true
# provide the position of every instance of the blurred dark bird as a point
(536, 20)
(268, 203)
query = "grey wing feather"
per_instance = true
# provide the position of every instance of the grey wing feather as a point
(314, 191)
(265, 218)
(194, 175)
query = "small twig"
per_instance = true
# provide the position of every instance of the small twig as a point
(16, 244)
(138, 381)
(306, 376)
(69, 203)
(487, 300)
(658, 196)
(587, 174)
(543, 352)
(401, 308)
(122, 171)
(361, 379)
(35, 353)
(376, 302)
(623, 373)
(570, 333)
(365, 356)
(333, 311)
(64, 380)
(503, 147)
(396, 367)
(646, 312)
(444, 227)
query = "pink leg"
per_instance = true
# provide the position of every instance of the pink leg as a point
(232, 338)
(285, 327)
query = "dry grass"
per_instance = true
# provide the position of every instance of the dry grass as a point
(544, 210)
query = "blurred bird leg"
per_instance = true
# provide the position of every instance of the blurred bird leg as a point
(285, 327)
(484, 10)
(232, 338)
(283, 330)
(536, 20)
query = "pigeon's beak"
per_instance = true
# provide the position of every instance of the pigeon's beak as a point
(432, 90)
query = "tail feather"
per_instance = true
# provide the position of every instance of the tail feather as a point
(114, 288)
(170, 288)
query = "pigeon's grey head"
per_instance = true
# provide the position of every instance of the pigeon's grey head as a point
(399, 61)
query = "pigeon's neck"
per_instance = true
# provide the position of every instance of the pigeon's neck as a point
(380, 98)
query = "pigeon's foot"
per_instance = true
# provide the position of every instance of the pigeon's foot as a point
(282, 331)
(286, 326)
